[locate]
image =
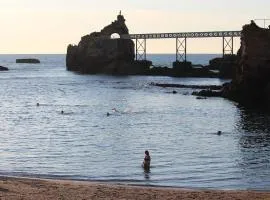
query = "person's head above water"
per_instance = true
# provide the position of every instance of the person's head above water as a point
(146, 152)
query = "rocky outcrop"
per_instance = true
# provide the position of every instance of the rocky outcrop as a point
(99, 53)
(3, 68)
(251, 84)
(225, 65)
(28, 60)
(182, 69)
(206, 87)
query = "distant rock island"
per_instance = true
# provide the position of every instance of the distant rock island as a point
(28, 60)
(98, 53)
(3, 68)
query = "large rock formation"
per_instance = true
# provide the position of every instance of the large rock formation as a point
(99, 53)
(251, 84)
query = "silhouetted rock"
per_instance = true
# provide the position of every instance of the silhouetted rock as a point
(99, 53)
(208, 93)
(251, 84)
(160, 71)
(206, 87)
(200, 97)
(3, 68)
(28, 60)
(182, 66)
(225, 65)
(186, 69)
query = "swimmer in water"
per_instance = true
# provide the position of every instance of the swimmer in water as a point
(114, 110)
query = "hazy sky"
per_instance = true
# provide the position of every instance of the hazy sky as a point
(48, 26)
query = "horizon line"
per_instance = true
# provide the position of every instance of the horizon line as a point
(65, 53)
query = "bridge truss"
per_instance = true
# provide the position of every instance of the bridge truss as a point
(181, 41)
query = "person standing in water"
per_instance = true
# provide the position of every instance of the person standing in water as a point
(146, 161)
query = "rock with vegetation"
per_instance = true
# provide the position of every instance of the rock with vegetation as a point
(28, 60)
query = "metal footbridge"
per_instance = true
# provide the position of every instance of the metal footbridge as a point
(181, 41)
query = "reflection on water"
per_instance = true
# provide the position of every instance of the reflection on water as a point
(147, 173)
(255, 146)
(255, 125)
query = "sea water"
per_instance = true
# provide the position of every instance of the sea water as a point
(83, 143)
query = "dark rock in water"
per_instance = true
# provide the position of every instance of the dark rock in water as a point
(182, 69)
(200, 97)
(160, 71)
(208, 93)
(225, 65)
(28, 60)
(251, 83)
(3, 68)
(99, 53)
(182, 66)
(186, 69)
(208, 87)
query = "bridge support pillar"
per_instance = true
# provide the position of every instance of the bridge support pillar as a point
(227, 46)
(181, 50)
(141, 49)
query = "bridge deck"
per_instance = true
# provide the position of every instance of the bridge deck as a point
(183, 35)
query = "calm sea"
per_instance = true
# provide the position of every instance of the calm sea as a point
(84, 143)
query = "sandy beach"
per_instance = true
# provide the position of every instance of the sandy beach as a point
(25, 188)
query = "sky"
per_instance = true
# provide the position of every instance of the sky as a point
(35, 26)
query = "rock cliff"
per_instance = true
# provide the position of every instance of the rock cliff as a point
(251, 84)
(99, 53)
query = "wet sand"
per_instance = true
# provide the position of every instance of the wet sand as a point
(25, 188)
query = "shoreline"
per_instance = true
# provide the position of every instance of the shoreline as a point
(36, 188)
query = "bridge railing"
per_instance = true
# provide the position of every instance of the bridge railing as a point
(183, 35)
